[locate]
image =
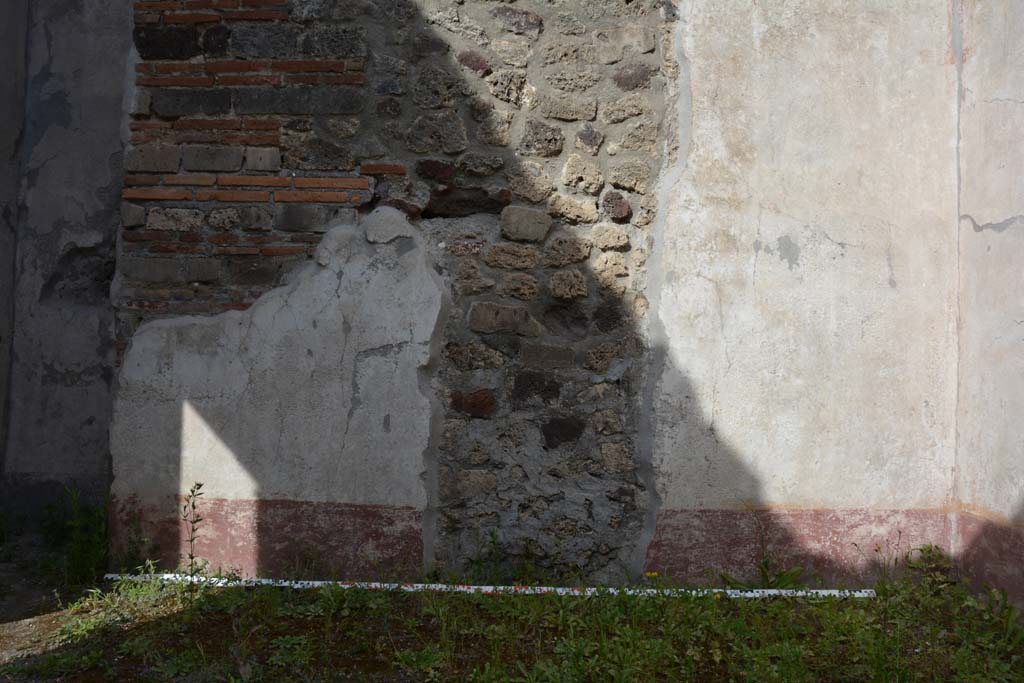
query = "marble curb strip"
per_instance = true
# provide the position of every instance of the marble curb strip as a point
(500, 590)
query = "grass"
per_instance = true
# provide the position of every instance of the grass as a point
(924, 626)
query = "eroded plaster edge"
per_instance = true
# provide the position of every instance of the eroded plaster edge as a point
(426, 375)
(675, 154)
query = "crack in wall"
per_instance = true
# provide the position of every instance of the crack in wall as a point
(1012, 222)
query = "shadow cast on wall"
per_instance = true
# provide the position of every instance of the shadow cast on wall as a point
(471, 396)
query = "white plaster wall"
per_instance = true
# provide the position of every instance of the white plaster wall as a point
(991, 454)
(312, 394)
(807, 274)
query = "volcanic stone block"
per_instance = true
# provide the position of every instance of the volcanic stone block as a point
(212, 158)
(541, 139)
(524, 224)
(174, 102)
(488, 317)
(306, 100)
(153, 158)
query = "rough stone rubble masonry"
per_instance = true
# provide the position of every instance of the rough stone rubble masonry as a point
(590, 287)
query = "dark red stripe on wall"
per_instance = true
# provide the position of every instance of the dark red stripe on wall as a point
(283, 538)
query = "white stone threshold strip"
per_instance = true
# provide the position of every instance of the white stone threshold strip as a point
(579, 591)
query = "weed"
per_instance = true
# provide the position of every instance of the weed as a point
(190, 515)
(290, 651)
(76, 534)
(425, 661)
(768, 577)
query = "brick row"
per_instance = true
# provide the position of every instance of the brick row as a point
(241, 66)
(235, 180)
(211, 136)
(141, 239)
(196, 12)
(168, 194)
(353, 78)
(194, 123)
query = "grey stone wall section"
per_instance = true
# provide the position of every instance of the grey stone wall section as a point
(70, 159)
(12, 116)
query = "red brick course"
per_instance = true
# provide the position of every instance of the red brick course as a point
(242, 216)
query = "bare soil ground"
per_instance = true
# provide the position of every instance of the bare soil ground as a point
(30, 609)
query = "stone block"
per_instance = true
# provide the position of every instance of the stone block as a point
(479, 403)
(475, 483)
(565, 108)
(610, 237)
(610, 44)
(510, 256)
(519, 21)
(488, 317)
(167, 42)
(262, 159)
(475, 164)
(174, 219)
(520, 286)
(541, 139)
(624, 108)
(565, 249)
(508, 85)
(633, 76)
(264, 40)
(475, 61)
(334, 40)
(142, 102)
(524, 224)
(561, 430)
(616, 207)
(568, 284)
(132, 215)
(441, 131)
(634, 175)
(589, 139)
(247, 218)
(573, 210)
(573, 79)
(300, 100)
(547, 356)
(212, 158)
(458, 201)
(154, 158)
(531, 182)
(513, 51)
(174, 102)
(582, 174)
(493, 125)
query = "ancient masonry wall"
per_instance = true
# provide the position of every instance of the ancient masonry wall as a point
(514, 286)
(527, 141)
(60, 184)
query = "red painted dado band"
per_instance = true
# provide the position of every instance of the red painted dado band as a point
(285, 538)
(839, 547)
(282, 538)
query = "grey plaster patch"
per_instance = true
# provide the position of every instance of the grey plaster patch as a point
(789, 251)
